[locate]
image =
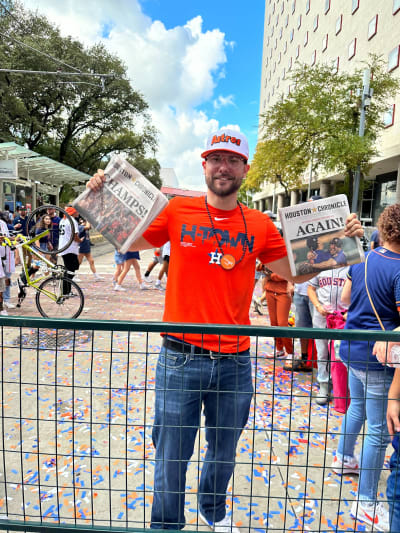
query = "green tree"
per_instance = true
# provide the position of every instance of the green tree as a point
(75, 120)
(317, 125)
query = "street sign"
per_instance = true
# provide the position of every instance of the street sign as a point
(8, 169)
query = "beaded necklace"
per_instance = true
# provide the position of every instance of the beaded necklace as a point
(227, 260)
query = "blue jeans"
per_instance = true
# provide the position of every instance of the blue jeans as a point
(393, 487)
(7, 291)
(184, 384)
(304, 310)
(369, 393)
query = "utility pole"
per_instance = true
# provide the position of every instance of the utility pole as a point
(365, 102)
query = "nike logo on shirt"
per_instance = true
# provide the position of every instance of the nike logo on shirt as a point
(217, 218)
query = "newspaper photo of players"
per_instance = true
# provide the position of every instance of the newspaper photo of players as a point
(112, 219)
(321, 252)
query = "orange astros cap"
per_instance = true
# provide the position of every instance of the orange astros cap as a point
(71, 210)
(228, 140)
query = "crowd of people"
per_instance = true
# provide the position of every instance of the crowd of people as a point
(215, 371)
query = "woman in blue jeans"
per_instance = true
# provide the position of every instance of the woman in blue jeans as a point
(373, 292)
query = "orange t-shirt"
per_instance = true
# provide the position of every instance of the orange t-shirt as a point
(199, 290)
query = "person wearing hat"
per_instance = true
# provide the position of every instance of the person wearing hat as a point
(215, 241)
(70, 254)
(21, 220)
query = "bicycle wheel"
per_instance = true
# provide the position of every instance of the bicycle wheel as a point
(61, 230)
(68, 306)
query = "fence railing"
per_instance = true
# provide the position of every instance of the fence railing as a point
(77, 413)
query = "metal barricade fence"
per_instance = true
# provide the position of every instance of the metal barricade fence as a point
(77, 414)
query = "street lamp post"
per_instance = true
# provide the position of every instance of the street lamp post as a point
(365, 102)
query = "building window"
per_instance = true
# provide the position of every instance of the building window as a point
(393, 59)
(284, 73)
(277, 20)
(287, 21)
(306, 38)
(276, 44)
(308, 2)
(293, 6)
(291, 35)
(299, 22)
(372, 27)
(315, 23)
(285, 48)
(338, 27)
(280, 33)
(313, 57)
(290, 64)
(327, 6)
(282, 7)
(388, 116)
(335, 65)
(352, 49)
(396, 6)
(297, 51)
(355, 4)
(269, 20)
(279, 57)
(325, 43)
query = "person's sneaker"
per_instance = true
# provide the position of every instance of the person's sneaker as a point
(223, 526)
(144, 286)
(98, 278)
(77, 279)
(279, 354)
(3, 312)
(373, 513)
(348, 466)
(119, 288)
(114, 282)
(297, 365)
(8, 304)
(323, 394)
(257, 306)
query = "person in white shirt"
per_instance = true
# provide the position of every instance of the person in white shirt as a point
(70, 254)
(325, 291)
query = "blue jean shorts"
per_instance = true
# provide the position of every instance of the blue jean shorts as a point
(119, 258)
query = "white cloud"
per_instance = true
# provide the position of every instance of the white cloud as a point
(224, 101)
(176, 70)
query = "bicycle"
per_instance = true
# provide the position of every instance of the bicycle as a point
(57, 296)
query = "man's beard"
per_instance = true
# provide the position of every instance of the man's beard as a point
(234, 185)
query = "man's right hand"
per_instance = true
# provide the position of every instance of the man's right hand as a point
(96, 182)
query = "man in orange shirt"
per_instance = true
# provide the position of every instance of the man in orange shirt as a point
(215, 241)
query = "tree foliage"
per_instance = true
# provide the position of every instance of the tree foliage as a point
(73, 119)
(317, 124)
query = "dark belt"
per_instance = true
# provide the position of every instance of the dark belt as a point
(185, 347)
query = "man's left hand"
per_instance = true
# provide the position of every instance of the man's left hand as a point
(353, 226)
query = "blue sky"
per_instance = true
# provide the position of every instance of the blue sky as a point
(197, 64)
(242, 25)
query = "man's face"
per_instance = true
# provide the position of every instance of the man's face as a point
(224, 172)
(333, 249)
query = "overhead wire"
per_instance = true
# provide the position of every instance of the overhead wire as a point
(49, 56)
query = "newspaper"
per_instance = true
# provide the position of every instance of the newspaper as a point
(314, 236)
(126, 205)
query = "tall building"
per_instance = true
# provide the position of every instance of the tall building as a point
(339, 33)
